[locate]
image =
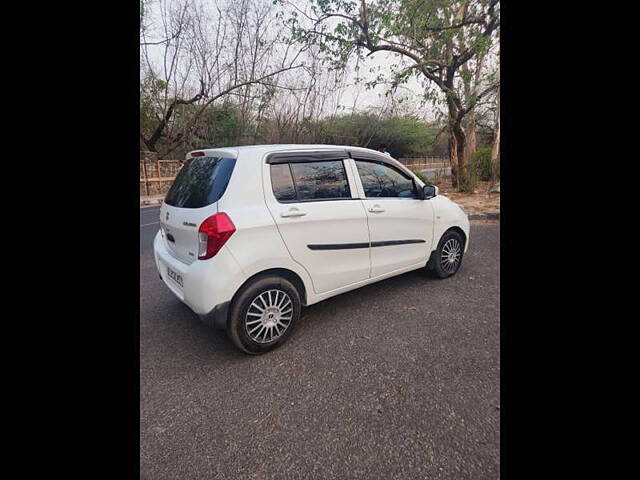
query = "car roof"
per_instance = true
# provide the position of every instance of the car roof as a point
(260, 149)
(256, 151)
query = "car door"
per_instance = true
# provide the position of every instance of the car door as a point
(313, 200)
(400, 223)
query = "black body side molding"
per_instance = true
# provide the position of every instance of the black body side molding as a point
(346, 246)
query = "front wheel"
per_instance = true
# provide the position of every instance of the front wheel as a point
(447, 258)
(263, 314)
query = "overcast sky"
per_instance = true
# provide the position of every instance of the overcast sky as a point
(364, 98)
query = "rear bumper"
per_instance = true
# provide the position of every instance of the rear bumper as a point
(206, 284)
(217, 317)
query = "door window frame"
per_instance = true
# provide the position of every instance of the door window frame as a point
(355, 159)
(290, 157)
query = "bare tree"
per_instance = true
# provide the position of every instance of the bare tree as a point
(201, 55)
(312, 94)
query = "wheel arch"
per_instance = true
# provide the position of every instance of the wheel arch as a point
(454, 228)
(290, 275)
(449, 217)
(459, 230)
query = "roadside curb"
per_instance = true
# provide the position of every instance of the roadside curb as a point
(484, 216)
(154, 202)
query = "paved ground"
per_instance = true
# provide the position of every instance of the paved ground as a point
(399, 379)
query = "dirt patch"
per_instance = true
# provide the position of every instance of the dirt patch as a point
(478, 201)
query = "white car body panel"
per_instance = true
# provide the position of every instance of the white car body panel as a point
(204, 287)
(449, 214)
(392, 219)
(331, 222)
(323, 222)
(400, 219)
(264, 240)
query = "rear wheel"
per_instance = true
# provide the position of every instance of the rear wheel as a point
(447, 258)
(263, 314)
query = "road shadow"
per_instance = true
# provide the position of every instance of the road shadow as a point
(191, 337)
(389, 287)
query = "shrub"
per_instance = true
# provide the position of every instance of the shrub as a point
(481, 164)
(471, 183)
(421, 176)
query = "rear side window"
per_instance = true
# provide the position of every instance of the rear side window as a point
(282, 182)
(381, 180)
(200, 182)
(307, 181)
(320, 180)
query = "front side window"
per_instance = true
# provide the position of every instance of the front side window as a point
(381, 180)
(306, 181)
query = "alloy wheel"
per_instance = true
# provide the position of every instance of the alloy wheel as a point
(451, 255)
(269, 316)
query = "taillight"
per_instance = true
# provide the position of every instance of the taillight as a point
(213, 234)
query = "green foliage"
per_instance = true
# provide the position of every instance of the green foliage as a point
(421, 176)
(223, 126)
(405, 136)
(150, 89)
(435, 37)
(470, 183)
(220, 126)
(481, 164)
(425, 25)
(408, 137)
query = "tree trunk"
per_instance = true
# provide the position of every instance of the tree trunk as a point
(472, 143)
(470, 123)
(457, 154)
(461, 149)
(495, 153)
(453, 160)
(469, 90)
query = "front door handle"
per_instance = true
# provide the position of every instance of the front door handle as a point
(376, 209)
(293, 212)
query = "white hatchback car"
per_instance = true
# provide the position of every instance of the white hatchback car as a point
(249, 235)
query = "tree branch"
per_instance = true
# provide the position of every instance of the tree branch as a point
(260, 80)
(476, 99)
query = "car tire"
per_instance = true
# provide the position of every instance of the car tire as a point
(263, 314)
(445, 260)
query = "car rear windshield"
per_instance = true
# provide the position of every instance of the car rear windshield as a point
(200, 182)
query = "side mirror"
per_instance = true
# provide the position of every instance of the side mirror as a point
(430, 191)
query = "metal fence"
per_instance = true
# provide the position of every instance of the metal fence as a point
(156, 176)
(425, 162)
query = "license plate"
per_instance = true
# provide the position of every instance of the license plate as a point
(176, 277)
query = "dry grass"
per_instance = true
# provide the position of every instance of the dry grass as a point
(478, 201)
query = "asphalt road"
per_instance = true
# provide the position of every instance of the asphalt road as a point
(399, 379)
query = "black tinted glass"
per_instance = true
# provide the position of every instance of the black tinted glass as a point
(320, 180)
(282, 182)
(200, 182)
(380, 180)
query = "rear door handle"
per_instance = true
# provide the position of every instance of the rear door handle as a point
(376, 209)
(293, 212)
